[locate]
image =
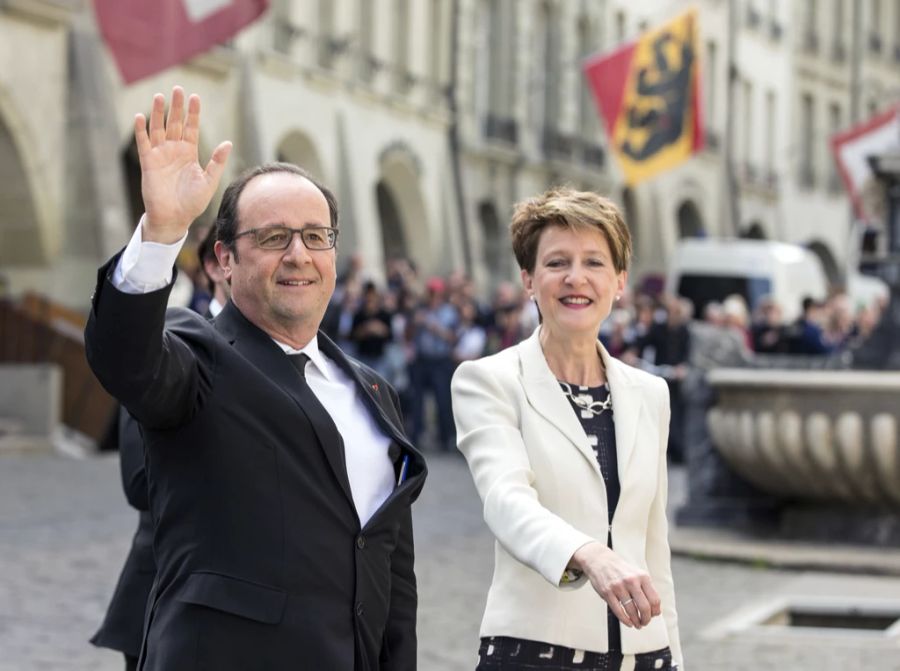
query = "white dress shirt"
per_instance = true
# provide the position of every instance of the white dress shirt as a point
(147, 266)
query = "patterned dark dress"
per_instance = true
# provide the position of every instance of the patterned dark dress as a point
(502, 653)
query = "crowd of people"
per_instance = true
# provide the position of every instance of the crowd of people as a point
(415, 331)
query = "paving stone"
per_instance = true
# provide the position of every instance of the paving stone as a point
(65, 530)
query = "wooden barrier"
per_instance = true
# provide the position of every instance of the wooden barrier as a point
(35, 330)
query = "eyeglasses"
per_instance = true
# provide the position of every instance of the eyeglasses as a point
(316, 238)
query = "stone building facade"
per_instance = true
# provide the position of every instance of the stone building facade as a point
(430, 118)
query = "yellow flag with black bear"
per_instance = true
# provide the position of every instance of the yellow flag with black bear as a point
(648, 93)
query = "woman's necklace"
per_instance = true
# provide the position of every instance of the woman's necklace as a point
(593, 407)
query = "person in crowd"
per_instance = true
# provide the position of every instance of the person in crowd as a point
(736, 316)
(666, 348)
(806, 335)
(470, 337)
(839, 322)
(218, 288)
(371, 330)
(768, 330)
(123, 626)
(567, 448)
(280, 481)
(434, 328)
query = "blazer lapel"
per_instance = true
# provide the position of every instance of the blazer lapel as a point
(626, 402)
(256, 346)
(547, 399)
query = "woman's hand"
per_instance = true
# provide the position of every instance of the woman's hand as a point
(628, 590)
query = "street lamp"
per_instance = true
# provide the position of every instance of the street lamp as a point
(882, 349)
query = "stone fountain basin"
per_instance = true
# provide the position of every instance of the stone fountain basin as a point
(814, 435)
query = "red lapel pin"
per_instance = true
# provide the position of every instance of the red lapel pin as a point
(375, 386)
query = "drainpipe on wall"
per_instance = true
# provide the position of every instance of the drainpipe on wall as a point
(731, 186)
(453, 137)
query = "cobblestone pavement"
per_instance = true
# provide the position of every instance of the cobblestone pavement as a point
(65, 529)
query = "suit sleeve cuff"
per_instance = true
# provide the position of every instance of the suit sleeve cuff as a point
(145, 266)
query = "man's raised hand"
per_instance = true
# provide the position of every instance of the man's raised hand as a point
(176, 189)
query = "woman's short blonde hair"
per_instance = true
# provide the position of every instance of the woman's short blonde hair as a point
(564, 206)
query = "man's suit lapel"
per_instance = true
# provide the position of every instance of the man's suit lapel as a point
(256, 346)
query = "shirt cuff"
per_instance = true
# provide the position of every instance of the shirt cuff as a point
(145, 266)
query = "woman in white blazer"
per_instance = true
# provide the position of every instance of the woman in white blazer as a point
(567, 447)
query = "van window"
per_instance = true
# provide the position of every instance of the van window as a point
(704, 289)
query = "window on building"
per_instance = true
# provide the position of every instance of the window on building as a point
(834, 127)
(838, 49)
(437, 45)
(282, 27)
(587, 111)
(552, 74)
(325, 33)
(590, 128)
(896, 32)
(811, 31)
(495, 44)
(620, 27)
(711, 62)
(747, 121)
(807, 176)
(402, 77)
(875, 26)
(771, 124)
(365, 29)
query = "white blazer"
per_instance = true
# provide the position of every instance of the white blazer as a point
(544, 496)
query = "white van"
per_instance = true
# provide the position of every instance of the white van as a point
(705, 270)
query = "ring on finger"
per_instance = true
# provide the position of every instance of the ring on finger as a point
(626, 602)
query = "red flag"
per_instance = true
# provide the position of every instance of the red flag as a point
(649, 95)
(146, 36)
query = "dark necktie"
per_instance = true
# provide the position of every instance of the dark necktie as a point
(324, 426)
(299, 362)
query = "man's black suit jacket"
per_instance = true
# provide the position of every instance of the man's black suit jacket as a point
(261, 560)
(123, 626)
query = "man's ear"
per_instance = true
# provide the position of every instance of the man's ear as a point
(226, 258)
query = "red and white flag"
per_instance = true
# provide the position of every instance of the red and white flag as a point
(853, 147)
(148, 36)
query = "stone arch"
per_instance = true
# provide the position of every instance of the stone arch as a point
(298, 148)
(494, 252)
(22, 226)
(403, 217)
(690, 222)
(754, 231)
(828, 260)
(393, 238)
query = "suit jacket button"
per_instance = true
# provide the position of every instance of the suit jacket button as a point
(359, 609)
(361, 542)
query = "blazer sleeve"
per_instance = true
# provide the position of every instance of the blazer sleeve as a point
(489, 435)
(659, 558)
(152, 371)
